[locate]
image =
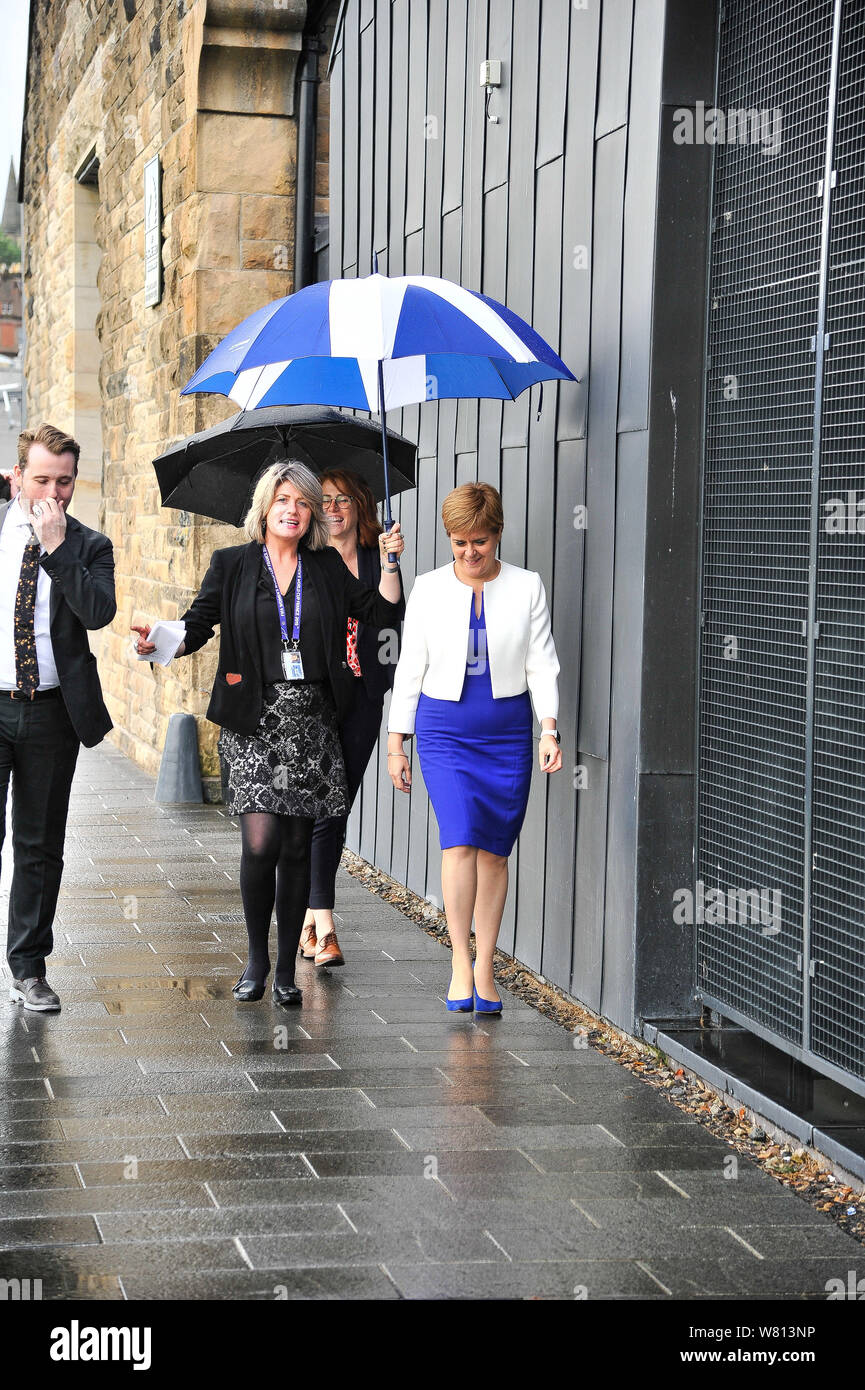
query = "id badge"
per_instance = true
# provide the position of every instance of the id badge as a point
(292, 665)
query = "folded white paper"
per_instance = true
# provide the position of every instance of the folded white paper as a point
(167, 637)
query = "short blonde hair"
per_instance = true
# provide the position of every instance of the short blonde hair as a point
(473, 507)
(306, 483)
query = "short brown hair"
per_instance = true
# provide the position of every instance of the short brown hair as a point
(473, 507)
(55, 441)
(369, 528)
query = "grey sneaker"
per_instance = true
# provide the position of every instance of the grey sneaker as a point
(35, 994)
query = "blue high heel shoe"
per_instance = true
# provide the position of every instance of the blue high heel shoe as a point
(461, 1006)
(486, 1006)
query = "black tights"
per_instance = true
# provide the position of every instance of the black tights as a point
(274, 865)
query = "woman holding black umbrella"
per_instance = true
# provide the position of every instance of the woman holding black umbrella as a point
(282, 602)
(371, 654)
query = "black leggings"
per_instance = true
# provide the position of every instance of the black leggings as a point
(274, 866)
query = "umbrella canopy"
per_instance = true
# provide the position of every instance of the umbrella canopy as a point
(213, 473)
(432, 338)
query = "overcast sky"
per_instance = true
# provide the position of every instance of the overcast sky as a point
(13, 62)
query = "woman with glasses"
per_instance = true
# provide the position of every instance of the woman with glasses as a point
(371, 654)
(282, 683)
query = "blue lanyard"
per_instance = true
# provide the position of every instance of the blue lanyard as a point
(298, 594)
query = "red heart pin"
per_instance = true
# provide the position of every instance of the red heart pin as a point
(233, 678)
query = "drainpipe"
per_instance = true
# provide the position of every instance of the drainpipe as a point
(304, 222)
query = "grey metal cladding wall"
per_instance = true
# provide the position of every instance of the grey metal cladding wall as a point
(756, 522)
(529, 210)
(458, 195)
(838, 877)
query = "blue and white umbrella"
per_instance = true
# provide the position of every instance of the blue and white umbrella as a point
(378, 343)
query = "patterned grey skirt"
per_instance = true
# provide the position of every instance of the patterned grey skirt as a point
(292, 765)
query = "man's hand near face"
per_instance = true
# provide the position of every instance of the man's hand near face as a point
(49, 522)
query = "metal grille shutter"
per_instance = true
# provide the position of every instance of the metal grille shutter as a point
(757, 504)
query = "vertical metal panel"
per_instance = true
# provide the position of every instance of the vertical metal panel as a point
(664, 949)
(445, 483)
(625, 670)
(421, 811)
(350, 120)
(838, 845)
(406, 511)
(467, 470)
(490, 442)
(472, 194)
(589, 881)
(640, 212)
(368, 173)
(337, 161)
(415, 143)
(601, 458)
(500, 30)
(521, 199)
(614, 67)
(673, 506)
(383, 170)
(493, 279)
(563, 797)
(455, 101)
(514, 490)
(577, 249)
(541, 522)
(414, 258)
(385, 798)
(451, 247)
(438, 20)
(398, 120)
(689, 53)
(434, 152)
(552, 80)
(547, 288)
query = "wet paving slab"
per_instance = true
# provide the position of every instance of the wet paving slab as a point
(159, 1140)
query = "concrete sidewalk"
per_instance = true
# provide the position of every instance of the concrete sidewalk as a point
(161, 1141)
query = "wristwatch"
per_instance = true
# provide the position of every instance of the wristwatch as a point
(553, 733)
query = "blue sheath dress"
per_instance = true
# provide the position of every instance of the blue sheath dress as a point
(476, 756)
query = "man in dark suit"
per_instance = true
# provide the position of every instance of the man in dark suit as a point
(56, 582)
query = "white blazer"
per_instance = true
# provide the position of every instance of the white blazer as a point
(435, 642)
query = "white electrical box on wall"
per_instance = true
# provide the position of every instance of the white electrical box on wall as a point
(491, 72)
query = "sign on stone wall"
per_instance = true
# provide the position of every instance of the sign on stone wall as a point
(152, 232)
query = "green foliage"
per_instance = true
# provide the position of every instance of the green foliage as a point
(10, 251)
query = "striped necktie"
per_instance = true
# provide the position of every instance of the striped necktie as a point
(26, 664)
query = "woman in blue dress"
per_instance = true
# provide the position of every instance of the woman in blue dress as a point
(477, 655)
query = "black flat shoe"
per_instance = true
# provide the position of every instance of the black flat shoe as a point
(287, 994)
(248, 991)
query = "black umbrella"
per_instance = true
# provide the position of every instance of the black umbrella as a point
(213, 473)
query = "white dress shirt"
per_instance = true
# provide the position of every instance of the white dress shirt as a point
(520, 648)
(14, 535)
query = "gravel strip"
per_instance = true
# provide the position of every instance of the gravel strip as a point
(796, 1168)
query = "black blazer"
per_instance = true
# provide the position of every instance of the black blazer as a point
(82, 597)
(377, 675)
(227, 598)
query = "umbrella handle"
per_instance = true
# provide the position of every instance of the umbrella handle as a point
(392, 560)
